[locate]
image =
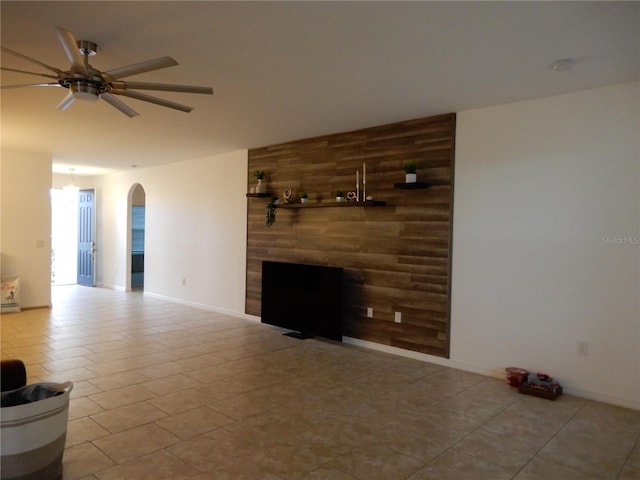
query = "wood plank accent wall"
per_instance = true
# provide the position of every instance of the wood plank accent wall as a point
(396, 258)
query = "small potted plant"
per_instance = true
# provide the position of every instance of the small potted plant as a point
(339, 196)
(260, 188)
(304, 198)
(410, 168)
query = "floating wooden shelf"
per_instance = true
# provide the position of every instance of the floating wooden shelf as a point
(259, 195)
(373, 203)
(410, 186)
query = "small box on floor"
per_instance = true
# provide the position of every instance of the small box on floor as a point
(541, 385)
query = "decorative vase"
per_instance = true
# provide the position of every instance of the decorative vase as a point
(410, 178)
(261, 188)
(304, 200)
(339, 199)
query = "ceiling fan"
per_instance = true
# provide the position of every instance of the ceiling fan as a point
(89, 84)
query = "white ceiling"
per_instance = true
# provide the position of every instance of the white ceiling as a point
(288, 70)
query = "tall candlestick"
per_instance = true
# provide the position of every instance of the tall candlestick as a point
(357, 185)
(364, 181)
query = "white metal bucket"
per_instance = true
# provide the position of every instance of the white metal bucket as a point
(33, 437)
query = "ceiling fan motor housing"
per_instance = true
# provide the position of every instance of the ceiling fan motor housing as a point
(84, 90)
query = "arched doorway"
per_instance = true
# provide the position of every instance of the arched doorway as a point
(136, 237)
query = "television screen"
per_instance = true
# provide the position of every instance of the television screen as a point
(304, 298)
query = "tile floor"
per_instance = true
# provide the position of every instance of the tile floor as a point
(166, 391)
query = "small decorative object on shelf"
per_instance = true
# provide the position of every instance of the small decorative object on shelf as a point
(304, 198)
(339, 196)
(351, 196)
(410, 168)
(260, 188)
(287, 194)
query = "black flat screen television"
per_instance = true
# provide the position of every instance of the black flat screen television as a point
(304, 298)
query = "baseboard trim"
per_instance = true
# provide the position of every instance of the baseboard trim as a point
(203, 306)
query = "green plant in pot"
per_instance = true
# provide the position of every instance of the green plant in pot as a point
(260, 188)
(304, 198)
(339, 196)
(271, 211)
(410, 169)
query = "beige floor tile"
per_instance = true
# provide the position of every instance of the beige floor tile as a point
(194, 422)
(19, 352)
(127, 417)
(634, 457)
(109, 355)
(170, 384)
(588, 457)
(241, 406)
(155, 466)
(506, 452)
(182, 401)
(105, 347)
(453, 465)
(165, 369)
(629, 473)
(112, 367)
(533, 432)
(122, 396)
(208, 451)
(82, 460)
(83, 407)
(376, 462)
(538, 469)
(65, 364)
(83, 388)
(73, 375)
(232, 470)
(83, 430)
(118, 380)
(139, 441)
(325, 473)
(67, 353)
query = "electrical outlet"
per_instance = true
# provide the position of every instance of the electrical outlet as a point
(398, 317)
(369, 312)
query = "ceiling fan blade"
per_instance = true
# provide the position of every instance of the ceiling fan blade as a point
(116, 103)
(70, 46)
(33, 60)
(31, 85)
(29, 73)
(142, 67)
(165, 87)
(66, 102)
(158, 101)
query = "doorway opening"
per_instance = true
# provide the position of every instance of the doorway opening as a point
(137, 214)
(64, 236)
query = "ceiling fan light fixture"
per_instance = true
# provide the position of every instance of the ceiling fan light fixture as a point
(84, 91)
(71, 186)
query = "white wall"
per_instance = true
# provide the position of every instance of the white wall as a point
(195, 230)
(546, 241)
(25, 221)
